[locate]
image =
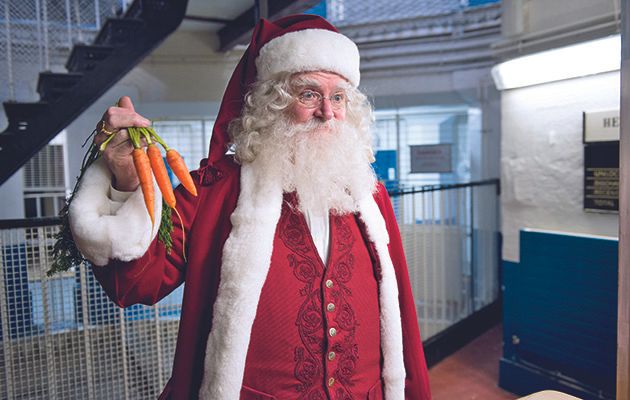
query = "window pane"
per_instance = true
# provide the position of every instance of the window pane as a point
(30, 208)
(47, 205)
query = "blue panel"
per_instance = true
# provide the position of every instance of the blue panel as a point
(319, 9)
(473, 3)
(18, 298)
(101, 310)
(561, 304)
(386, 161)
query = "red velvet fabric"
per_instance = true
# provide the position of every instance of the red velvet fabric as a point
(292, 353)
(207, 223)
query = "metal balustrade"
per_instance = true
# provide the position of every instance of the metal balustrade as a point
(62, 338)
(451, 238)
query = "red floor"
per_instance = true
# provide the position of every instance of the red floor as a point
(471, 373)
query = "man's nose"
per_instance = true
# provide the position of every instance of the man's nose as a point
(324, 111)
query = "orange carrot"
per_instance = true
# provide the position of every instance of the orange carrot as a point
(176, 162)
(143, 169)
(161, 176)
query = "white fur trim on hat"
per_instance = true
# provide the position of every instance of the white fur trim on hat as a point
(310, 50)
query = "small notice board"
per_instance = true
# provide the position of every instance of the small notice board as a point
(601, 161)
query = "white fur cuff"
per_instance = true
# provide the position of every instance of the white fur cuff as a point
(102, 232)
(310, 50)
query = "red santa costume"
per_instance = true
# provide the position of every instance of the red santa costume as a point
(263, 316)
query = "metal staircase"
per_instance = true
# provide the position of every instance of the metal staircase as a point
(92, 69)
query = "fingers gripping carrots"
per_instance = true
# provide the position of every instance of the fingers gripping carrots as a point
(151, 164)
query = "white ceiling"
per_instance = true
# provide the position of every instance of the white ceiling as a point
(228, 9)
(225, 9)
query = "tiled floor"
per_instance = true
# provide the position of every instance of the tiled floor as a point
(471, 373)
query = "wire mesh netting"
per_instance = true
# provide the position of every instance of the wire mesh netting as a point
(37, 35)
(350, 12)
(63, 338)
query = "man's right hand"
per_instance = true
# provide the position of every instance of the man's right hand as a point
(117, 155)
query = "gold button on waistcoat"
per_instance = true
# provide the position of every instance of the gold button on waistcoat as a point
(332, 331)
(329, 283)
(331, 381)
(331, 356)
(330, 307)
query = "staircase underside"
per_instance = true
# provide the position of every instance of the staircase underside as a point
(93, 68)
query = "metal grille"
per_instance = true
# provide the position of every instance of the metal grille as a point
(349, 12)
(398, 130)
(37, 35)
(46, 169)
(62, 338)
(450, 236)
(191, 138)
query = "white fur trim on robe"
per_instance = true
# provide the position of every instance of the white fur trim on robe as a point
(101, 230)
(393, 372)
(246, 259)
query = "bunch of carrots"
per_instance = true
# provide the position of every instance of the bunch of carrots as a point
(150, 163)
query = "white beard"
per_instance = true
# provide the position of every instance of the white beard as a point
(326, 163)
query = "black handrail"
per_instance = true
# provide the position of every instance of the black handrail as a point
(435, 188)
(29, 222)
(51, 221)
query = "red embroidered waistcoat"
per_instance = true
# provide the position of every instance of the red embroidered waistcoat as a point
(316, 334)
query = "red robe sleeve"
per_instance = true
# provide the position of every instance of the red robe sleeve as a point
(417, 381)
(157, 273)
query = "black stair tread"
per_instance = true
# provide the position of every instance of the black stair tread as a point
(52, 84)
(20, 115)
(16, 111)
(115, 31)
(60, 79)
(84, 57)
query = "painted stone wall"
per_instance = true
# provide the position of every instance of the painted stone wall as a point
(542, 157)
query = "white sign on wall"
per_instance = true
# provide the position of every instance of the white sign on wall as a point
(431, 158)
(601, 126)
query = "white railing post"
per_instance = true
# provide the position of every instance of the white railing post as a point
(7, 19)
(85, 316)
(97, 14)
(123, 347)
(45, 28)
(69, 23)
(425, 266)
(158, 345)
(77, 13)
(48, 337)
(6, 327)
(443, 261)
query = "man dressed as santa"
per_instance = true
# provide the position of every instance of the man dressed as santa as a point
(296, 285)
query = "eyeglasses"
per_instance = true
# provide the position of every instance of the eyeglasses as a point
(313, 99)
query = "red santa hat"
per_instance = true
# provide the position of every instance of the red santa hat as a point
(297, 43)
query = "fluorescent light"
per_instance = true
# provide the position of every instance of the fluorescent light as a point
(581, 59)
